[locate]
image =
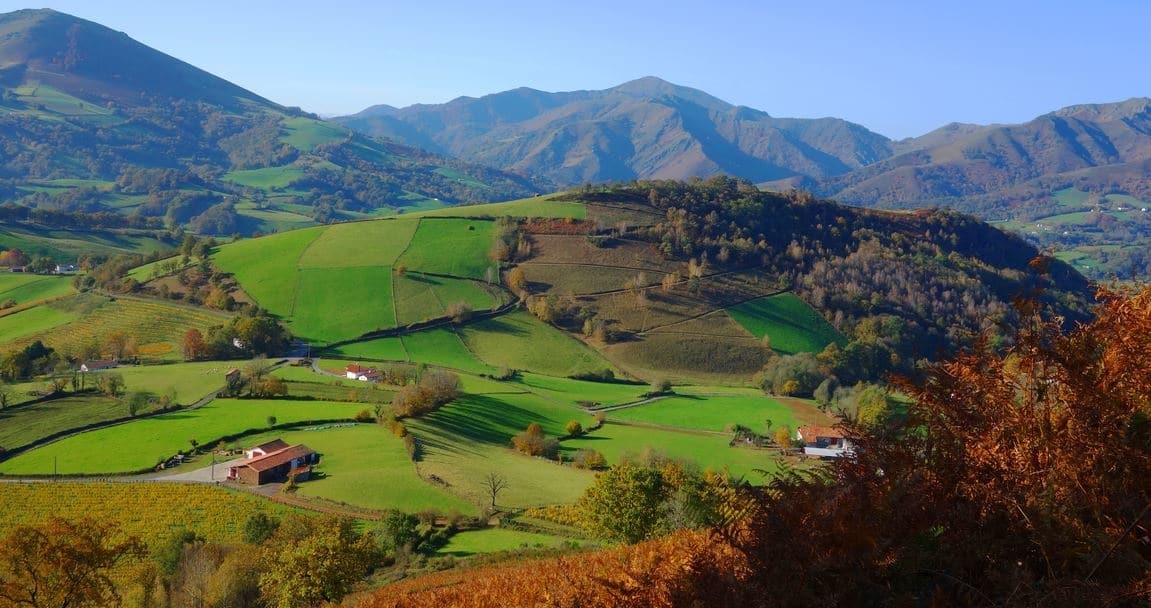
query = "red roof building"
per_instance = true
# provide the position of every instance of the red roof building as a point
(275, 466)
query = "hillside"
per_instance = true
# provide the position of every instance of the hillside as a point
(646, 129)
(92, 121)
(1034, 176)
(701, 282)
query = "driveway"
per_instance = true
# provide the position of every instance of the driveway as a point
(208, 474)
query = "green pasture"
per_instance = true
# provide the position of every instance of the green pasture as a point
(456, 247)
(443, 347)
(520, 341)
(190, 381)
(465, 440)
(22, 288)
(569, 391)
(370, 243)
(305, 134)
(495, 540)
(140, 444)
(1071, 197)
(271, 219)
(537, 206)
(267, 177)
(710, 413)
(368, 467)
(334, 304)
(383, 349)
(710, 451)
(421, 297)
(791, 324)
(267, 267)
(32, 321)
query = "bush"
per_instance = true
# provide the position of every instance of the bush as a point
(659, 386)
(574, 428)
(589, 459)
(364, 416)
(435, 388)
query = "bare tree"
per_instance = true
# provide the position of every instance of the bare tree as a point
(495, 483)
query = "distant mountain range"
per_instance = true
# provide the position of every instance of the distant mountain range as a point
(92, 121)
(652, 129)
(646, 128)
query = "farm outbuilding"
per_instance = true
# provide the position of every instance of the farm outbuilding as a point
(275, 466)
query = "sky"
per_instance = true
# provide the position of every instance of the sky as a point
(900, 68)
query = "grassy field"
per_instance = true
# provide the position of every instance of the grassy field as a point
(422, 297)
(267, 177)
(537, 206)
(32, 321)
(571, 392)
(690, 359)
(190, 381)
(520, 341)
(494, 540)
(305, 134)
(711, 413)
(445, 348)
(367, 466)
(23, 288)
(788, 321)
(465, 440)
(388, 349)
(616, 441)
(266, 267)
(140, 444)
(341, 303)
(373, 243)
(450, 246)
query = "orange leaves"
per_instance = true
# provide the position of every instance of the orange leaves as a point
(686, 568)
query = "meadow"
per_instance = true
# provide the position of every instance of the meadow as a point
(333, 304)
(23, 288)
(538, 206)
(31, 321)
(520, 341)
(495, 540)
(366, 466)
(789, 323)
(455, 247)
(142, 443)
(266, 266)
(710, 413)
(20, 426)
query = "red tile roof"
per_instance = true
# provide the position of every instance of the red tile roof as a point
(274, 445)
(811, 432)
(356, 368)
(278, 458)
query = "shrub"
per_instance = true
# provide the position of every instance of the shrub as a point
(364, 416)
(574, 428)
(589, 459)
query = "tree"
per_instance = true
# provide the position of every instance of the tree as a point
(259, 527)
(873, 406)
(459, 312)
(399, 531)
(331, 553)
(110, 383)
(194, 345)
(137, 401)
(271, 421)
(624, 503)
(783, 437)
(516, 280)
(494, 483)
(63, 564)
(573, 428)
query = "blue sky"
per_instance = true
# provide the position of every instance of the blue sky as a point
(900, 68)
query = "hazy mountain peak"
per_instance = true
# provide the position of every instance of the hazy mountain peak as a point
(653, 87)
(1105, 112)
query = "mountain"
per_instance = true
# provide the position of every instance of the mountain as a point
(93, 122)
(981, 167)
(646, 128)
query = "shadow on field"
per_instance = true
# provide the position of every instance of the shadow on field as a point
(478, 418)
(500, 326)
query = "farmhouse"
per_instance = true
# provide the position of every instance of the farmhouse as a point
(824, 441)
(355, 371)
(97, 365)
(276, 465)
